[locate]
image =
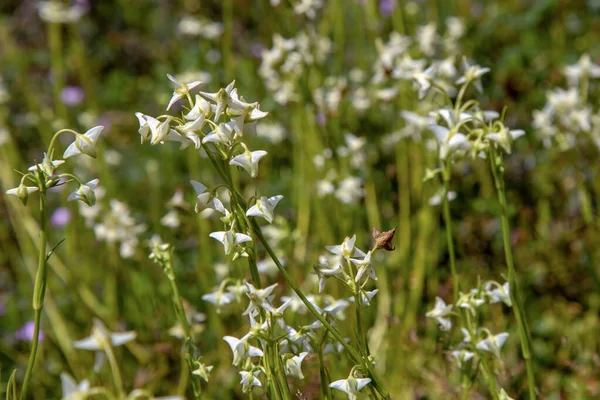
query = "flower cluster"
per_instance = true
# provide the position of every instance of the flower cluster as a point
(568, 117)
(286, 62)
(477, 341)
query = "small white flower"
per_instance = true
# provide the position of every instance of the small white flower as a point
(472, 73)
(449, 141)
(259, 298)
(493, 343)
(351, 386)
(293, 366)
(346, 249)
(230, 239)
(219, 298)
(85, 193)
(440, 312)
(504, 137)
(84, 144)
(462, 356)
(504, 395)
(249, 379)
(223, 133)
(364, 265)
(264, 208)
(22, 192)
(101, 336)
(171, 219)
(182, 90)
(424, 79)
(499, 294)
(249, 161)
(71, 390)
(241, 349)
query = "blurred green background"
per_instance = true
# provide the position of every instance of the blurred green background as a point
(112, 62)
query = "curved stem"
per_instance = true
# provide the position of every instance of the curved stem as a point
(39, 292)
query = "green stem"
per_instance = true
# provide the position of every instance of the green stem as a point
(187, 329)
(114, 367)
(518, 309)
(448, 224)
(39, 292)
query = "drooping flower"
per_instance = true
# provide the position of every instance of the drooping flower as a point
(230, 239)
(293, 366)
(499, 294)
(241, 349)
(181, 91)
(85, 193)
(249, 380)
(264, 208)
(440, 313)
(71, 390)
(493, 343)
(84, 144)
(351, 386)
(22, 192)
(249, 161)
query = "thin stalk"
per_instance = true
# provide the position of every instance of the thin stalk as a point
(518, 309)
(114, 367)
(448, 225)
(39, 291)
(187, 329)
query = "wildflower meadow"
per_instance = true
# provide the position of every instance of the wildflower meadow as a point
(299, 199)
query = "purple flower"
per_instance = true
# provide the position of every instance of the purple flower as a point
(25, 333)
(72, 95)
(386, 7)
(321, 119)
(257, 49)
(60, 217)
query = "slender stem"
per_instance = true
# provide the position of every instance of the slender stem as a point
(518, 309)
(448, 224)
(114, 367)
(39, 292)
(187, 329)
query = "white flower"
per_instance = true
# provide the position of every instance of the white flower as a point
(241, 349)
(493, 343)
(264, 208)
(364, 265)
(349, 190)
(249, 379)
(424, 79)
(219, 298)
(101, 336)
(351, 386)
(472, 73)
(439, 313)
(223, 133)
(346, 249)
(259, 298)
(504, 395)
(84, 144)
(462, 356)
(449, 141)
(230, 239)
(85, 193)
(504, 137)
(293, 366)
(498, 294)
(249, 161)
(584, 67)
(182, 90)
(22, 192)
(171, 219)
(71, 390)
